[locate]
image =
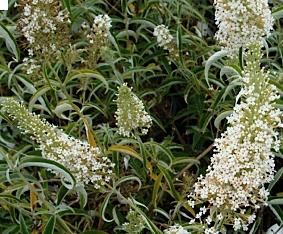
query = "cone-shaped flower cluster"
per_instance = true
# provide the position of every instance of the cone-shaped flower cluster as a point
(243, 161)
(162, 33)
(242, 22)
(176, 229)
(135, 223)
(165, 40)
(45, 27)
(131, 115)
(86, 163)
(97, 35)
(100, 29)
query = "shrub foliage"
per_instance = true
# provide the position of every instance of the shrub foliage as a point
(109, 112)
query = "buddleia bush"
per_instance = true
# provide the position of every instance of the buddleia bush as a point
(140, 116)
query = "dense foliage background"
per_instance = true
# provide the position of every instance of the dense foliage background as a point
(187, 96)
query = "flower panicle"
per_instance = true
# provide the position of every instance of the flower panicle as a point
(100, 30)
(242, 23)
(165, 40)
(135, 224)
(243, 159)
(86, 163)
(97, 34)
(162, 33)
(45, 27)
(131, 115)
(176, 229)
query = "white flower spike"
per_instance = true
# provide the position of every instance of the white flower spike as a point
(131, 115)
(242, 23)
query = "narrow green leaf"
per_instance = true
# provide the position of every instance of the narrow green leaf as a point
(83, 195)
(67, 4)
(156, 187)
(276, 201)
(80, 74)
(162, 212)
(277, 13)
(128, 178)
(49, 228)
(184, 160)
(221, 117)
(62, 107)
(169, 181)
(126, 150)
(104, 206)
(230, 72)
(10, 41)
(277, 211)
(114, 41)
(89, 133)
(7, 196)
(162, 149)
(23, 226)
(42, 162)
(255, 226)
(277, 177)
(37, 95)
(212, 60)
(144, 22)
(63, 191)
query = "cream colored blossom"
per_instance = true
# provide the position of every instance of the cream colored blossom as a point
(131, 115)
(243, 159)
(242, 22)
(100, 29)
(176, 229)
(45, 27)
(162, 33)
(165, 40)
(135, 224)
(86, 163)
(97, 35)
